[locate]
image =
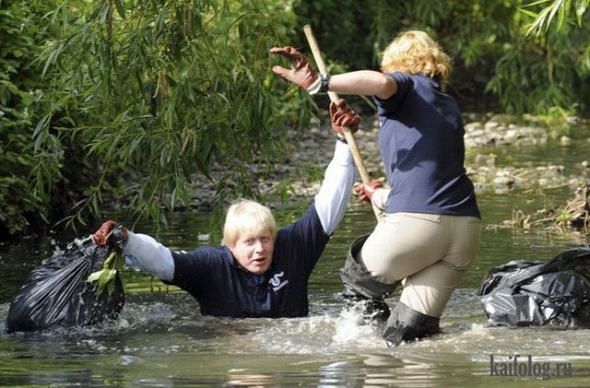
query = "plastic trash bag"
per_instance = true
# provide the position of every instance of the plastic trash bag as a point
(538, 293)
(59, 293)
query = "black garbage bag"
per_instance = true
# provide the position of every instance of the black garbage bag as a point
(77, 286)
(537, 293)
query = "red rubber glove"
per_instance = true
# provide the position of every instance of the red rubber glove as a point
(342, 116)
(301, 73)
(103, 233)
(110, 233)
(365, 191)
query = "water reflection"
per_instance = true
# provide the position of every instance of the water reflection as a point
(162, 340)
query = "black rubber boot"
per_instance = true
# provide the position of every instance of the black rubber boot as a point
(362, 289)
(406, 325)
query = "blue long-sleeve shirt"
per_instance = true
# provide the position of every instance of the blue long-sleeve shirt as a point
(223, 288)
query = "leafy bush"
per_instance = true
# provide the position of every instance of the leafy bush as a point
(499, 63)
(126, 101)
(158, 91)
(22, 38)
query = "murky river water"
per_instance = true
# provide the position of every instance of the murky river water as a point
(161, 340)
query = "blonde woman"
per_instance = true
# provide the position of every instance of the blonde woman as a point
(428, 235)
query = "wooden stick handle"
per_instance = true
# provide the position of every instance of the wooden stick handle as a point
(358, 160)
(317, 55)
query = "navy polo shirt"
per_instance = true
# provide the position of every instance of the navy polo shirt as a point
(223, 288)
(423, 150)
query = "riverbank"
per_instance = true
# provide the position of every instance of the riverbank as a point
(483, 135)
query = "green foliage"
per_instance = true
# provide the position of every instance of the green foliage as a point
(162, 89)
(560, 9)
(521, 70)
(126, 101)
(494, 58)
(104, 278)
(20, 93)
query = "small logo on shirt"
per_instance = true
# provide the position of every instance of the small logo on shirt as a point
(276, 282)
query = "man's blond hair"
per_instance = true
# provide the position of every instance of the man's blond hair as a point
(247, 218)
(415, 52)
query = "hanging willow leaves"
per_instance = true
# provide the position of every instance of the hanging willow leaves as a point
(158, 91)
(553, 12)
(127, 102)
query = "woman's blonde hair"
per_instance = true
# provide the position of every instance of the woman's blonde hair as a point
(415, 52)
(246, 217)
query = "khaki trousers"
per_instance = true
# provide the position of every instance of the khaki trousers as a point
(430, 252)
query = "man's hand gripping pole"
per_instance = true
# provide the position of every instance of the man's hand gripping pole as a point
(360, 165)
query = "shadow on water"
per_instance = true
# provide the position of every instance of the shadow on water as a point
(161, 340)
